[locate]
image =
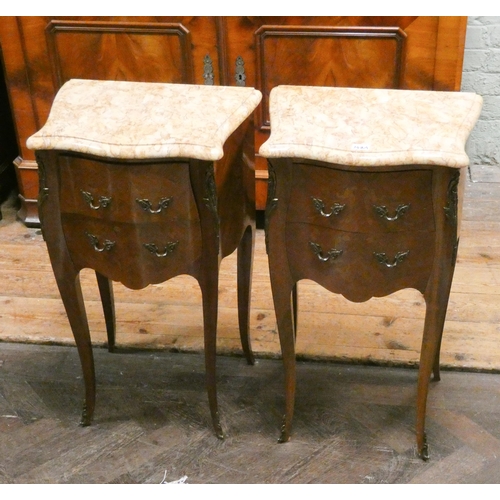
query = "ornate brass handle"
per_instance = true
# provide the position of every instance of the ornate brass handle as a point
(94, 241)
(103, 202)
(330, 255)
(169, 248)
(398, 258)
(382, 211)
(147, 206)
(335, 209)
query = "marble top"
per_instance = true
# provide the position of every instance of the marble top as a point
(371, 127)
(134, 120)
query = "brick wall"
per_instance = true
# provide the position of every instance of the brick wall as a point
(481, 74)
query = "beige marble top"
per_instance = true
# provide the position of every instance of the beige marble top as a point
(371, 127)
(133, 120)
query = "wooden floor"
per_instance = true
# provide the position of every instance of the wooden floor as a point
(353, 423)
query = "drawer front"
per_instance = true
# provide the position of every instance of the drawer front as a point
(362, 201)
(139, 193)
(134, 254)
(359, 265)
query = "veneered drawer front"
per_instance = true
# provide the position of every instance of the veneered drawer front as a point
(136, 255)
(359, 265)
(361, 201)
(139, 193)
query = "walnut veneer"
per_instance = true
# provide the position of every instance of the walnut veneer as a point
(143, 182)
(373, 221)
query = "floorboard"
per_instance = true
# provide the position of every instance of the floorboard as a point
(353, 424)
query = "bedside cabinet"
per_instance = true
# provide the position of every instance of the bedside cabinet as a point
(143, 182)
(364, 197)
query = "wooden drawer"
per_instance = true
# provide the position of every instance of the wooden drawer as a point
(134, 254)
(361, 201)
(356, 272)
(114, 190)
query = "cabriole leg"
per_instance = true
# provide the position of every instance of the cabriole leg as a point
(245, 261)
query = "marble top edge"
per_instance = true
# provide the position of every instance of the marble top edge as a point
(280, 88)
(137, 120)
(379, 159)
(371, 127)
(125, 84)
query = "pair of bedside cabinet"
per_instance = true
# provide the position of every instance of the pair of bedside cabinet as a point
(142, 182)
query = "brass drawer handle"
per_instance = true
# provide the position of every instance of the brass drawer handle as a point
(147, 206)
(103, 202)
(335, 209)
(330, 255)
(169, 248)
(94, 241)
(382, 211)
(398, 258)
